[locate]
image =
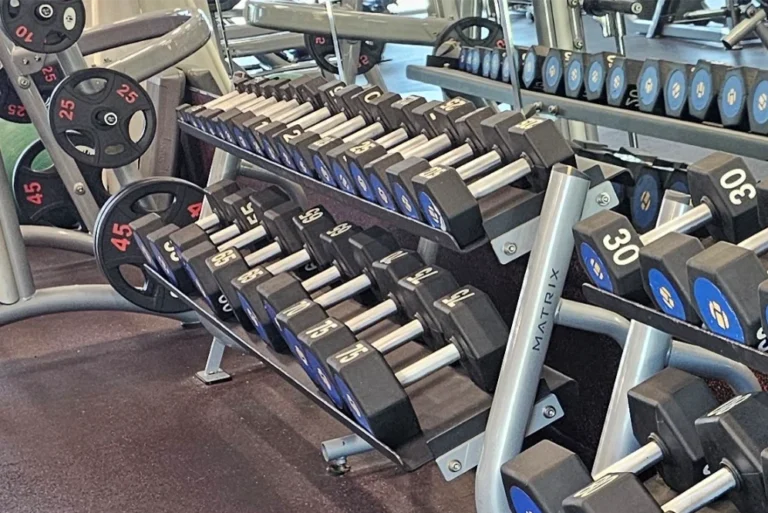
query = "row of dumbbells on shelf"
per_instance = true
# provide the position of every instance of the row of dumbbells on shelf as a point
(279, 270)
(703, 266)
(732, 96)
(429, 160)
(711, 457)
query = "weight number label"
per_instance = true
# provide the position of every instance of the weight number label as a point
(248, 211)
(457, 297)
(624, 253)
(310, 216)
(735, 181)
(123, 239)
(34, 192)
(339, 230)
(352, 353)
(224, 258)
(426, 273)
(322, 329)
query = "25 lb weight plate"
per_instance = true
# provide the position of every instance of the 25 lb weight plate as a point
(41, 196)
(320, 48)
(11, 108)
(100, 105)
(43, 26)
(117, 252)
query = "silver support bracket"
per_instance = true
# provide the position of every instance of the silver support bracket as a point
(466, 456)
(212, 373)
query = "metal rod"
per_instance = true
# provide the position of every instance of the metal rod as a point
(225, 234)
(369, 132)
(312, 118)
(443, 357)
(691, 220)
(702, 493)
(57, 238)
(9, 291)
(344, 447)
(290, 262)
(673, 205)
(393, 138)
(321, 279)
(225, 38)
(592, 319)
(529, 336)
(479, 165)
(496, 180)
(413, 142)
(254, 234)
(701, 362)
(403, 334)
(450, 158)
(432, 146)
(502, 8)
(14, 241)
(345, 291)
(757, 243)
(371, 316)
(268, 252)
(636, 462)
(345, 128)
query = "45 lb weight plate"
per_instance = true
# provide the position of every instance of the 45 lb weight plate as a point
(43, 26)
(116, 251)
(101, 106)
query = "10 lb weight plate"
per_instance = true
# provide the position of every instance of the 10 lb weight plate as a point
(320, 48)
(41, 196)
(117, 252)
(101, 105)
(43, 26)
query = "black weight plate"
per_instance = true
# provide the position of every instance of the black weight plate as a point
(41, 195)
(114, 245)
(460, 31)
(320, 48)
(43, 26)
(98, 104)
(11, 108)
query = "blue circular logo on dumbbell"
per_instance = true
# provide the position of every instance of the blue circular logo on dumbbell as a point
(522, 502)
(575, 75)
(616, 82)
(596, 77)
(506, 75)
(432, 214)
(382, 194)
(552, 70)
(474, 62)
(665, 294)
(324, 380)
(342, 179)
(270, 150)
(676, 90)
(363, 187)
(487, 64)
(645, 201)
(323, 172)
(405, 202)
(463, 59)
(285, 155)
(648, 84)
(715, 311)
(760, 102)
(596, 268)
(701, 89)
(732, 96)
(352, 406)
(495, 65)
(302, 164)
(529, 69)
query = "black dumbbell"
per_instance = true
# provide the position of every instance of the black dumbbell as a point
(663, 410)
(374, 393)
(651, 82)
(381, 277)
(677, 90)
(622, 83)
(185, 112)
(732, 98)
(169, 243)
(448, 204)
(533, 62)
(293, 231)
(597, 68)
(724, 194)
(413, 298)
(734, 441)
(554, 71)
(758, 104)
(706, 81)
(353, 252)
(265, 89)
(483, 131)
(350, 252)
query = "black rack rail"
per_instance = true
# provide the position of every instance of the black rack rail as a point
(696, 335)
(417, 228)
(449, 406)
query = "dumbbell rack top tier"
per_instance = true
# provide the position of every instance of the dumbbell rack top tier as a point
(449, 406)
(395, 219)
(684, 331)
(670, 129)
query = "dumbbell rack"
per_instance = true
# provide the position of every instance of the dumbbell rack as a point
(451, 409)
(671, 129)
(398, 220)
(687, 332)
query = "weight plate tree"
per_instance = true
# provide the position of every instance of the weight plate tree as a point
(11, 108)
(115, 247)
(41, 196)
(43, 26)
(320, 48)
(100, 105)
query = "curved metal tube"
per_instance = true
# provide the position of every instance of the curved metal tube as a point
(169, 50)
(349, 25)
(591, 318)
(707, 364)
(58, 238)
(76, 298)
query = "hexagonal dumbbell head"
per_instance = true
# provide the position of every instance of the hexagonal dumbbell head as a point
(574, 76)
(543, 145)
(732, 100)
(357, 158)
(541, 477)
(677, 90)
(474, 325)
(665, 274)
(532, 67)
(597, 69)
(293, 320)
(141, 228)
(382, 106)
(735, 432)
(621, 84)
(758, 104)
(445, 116)
(608, 247)
(553, 70)
(402, 110)
(253, 317)
(722, 281)
(706, 81)
(664, 410)
(606, 493)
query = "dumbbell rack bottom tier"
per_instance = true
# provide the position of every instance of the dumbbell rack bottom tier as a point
(393, 218)
(681, 330)
(449, 406)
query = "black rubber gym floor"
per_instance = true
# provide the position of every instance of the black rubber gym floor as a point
(99, 412)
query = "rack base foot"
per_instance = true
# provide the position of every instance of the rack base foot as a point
(211, 378)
